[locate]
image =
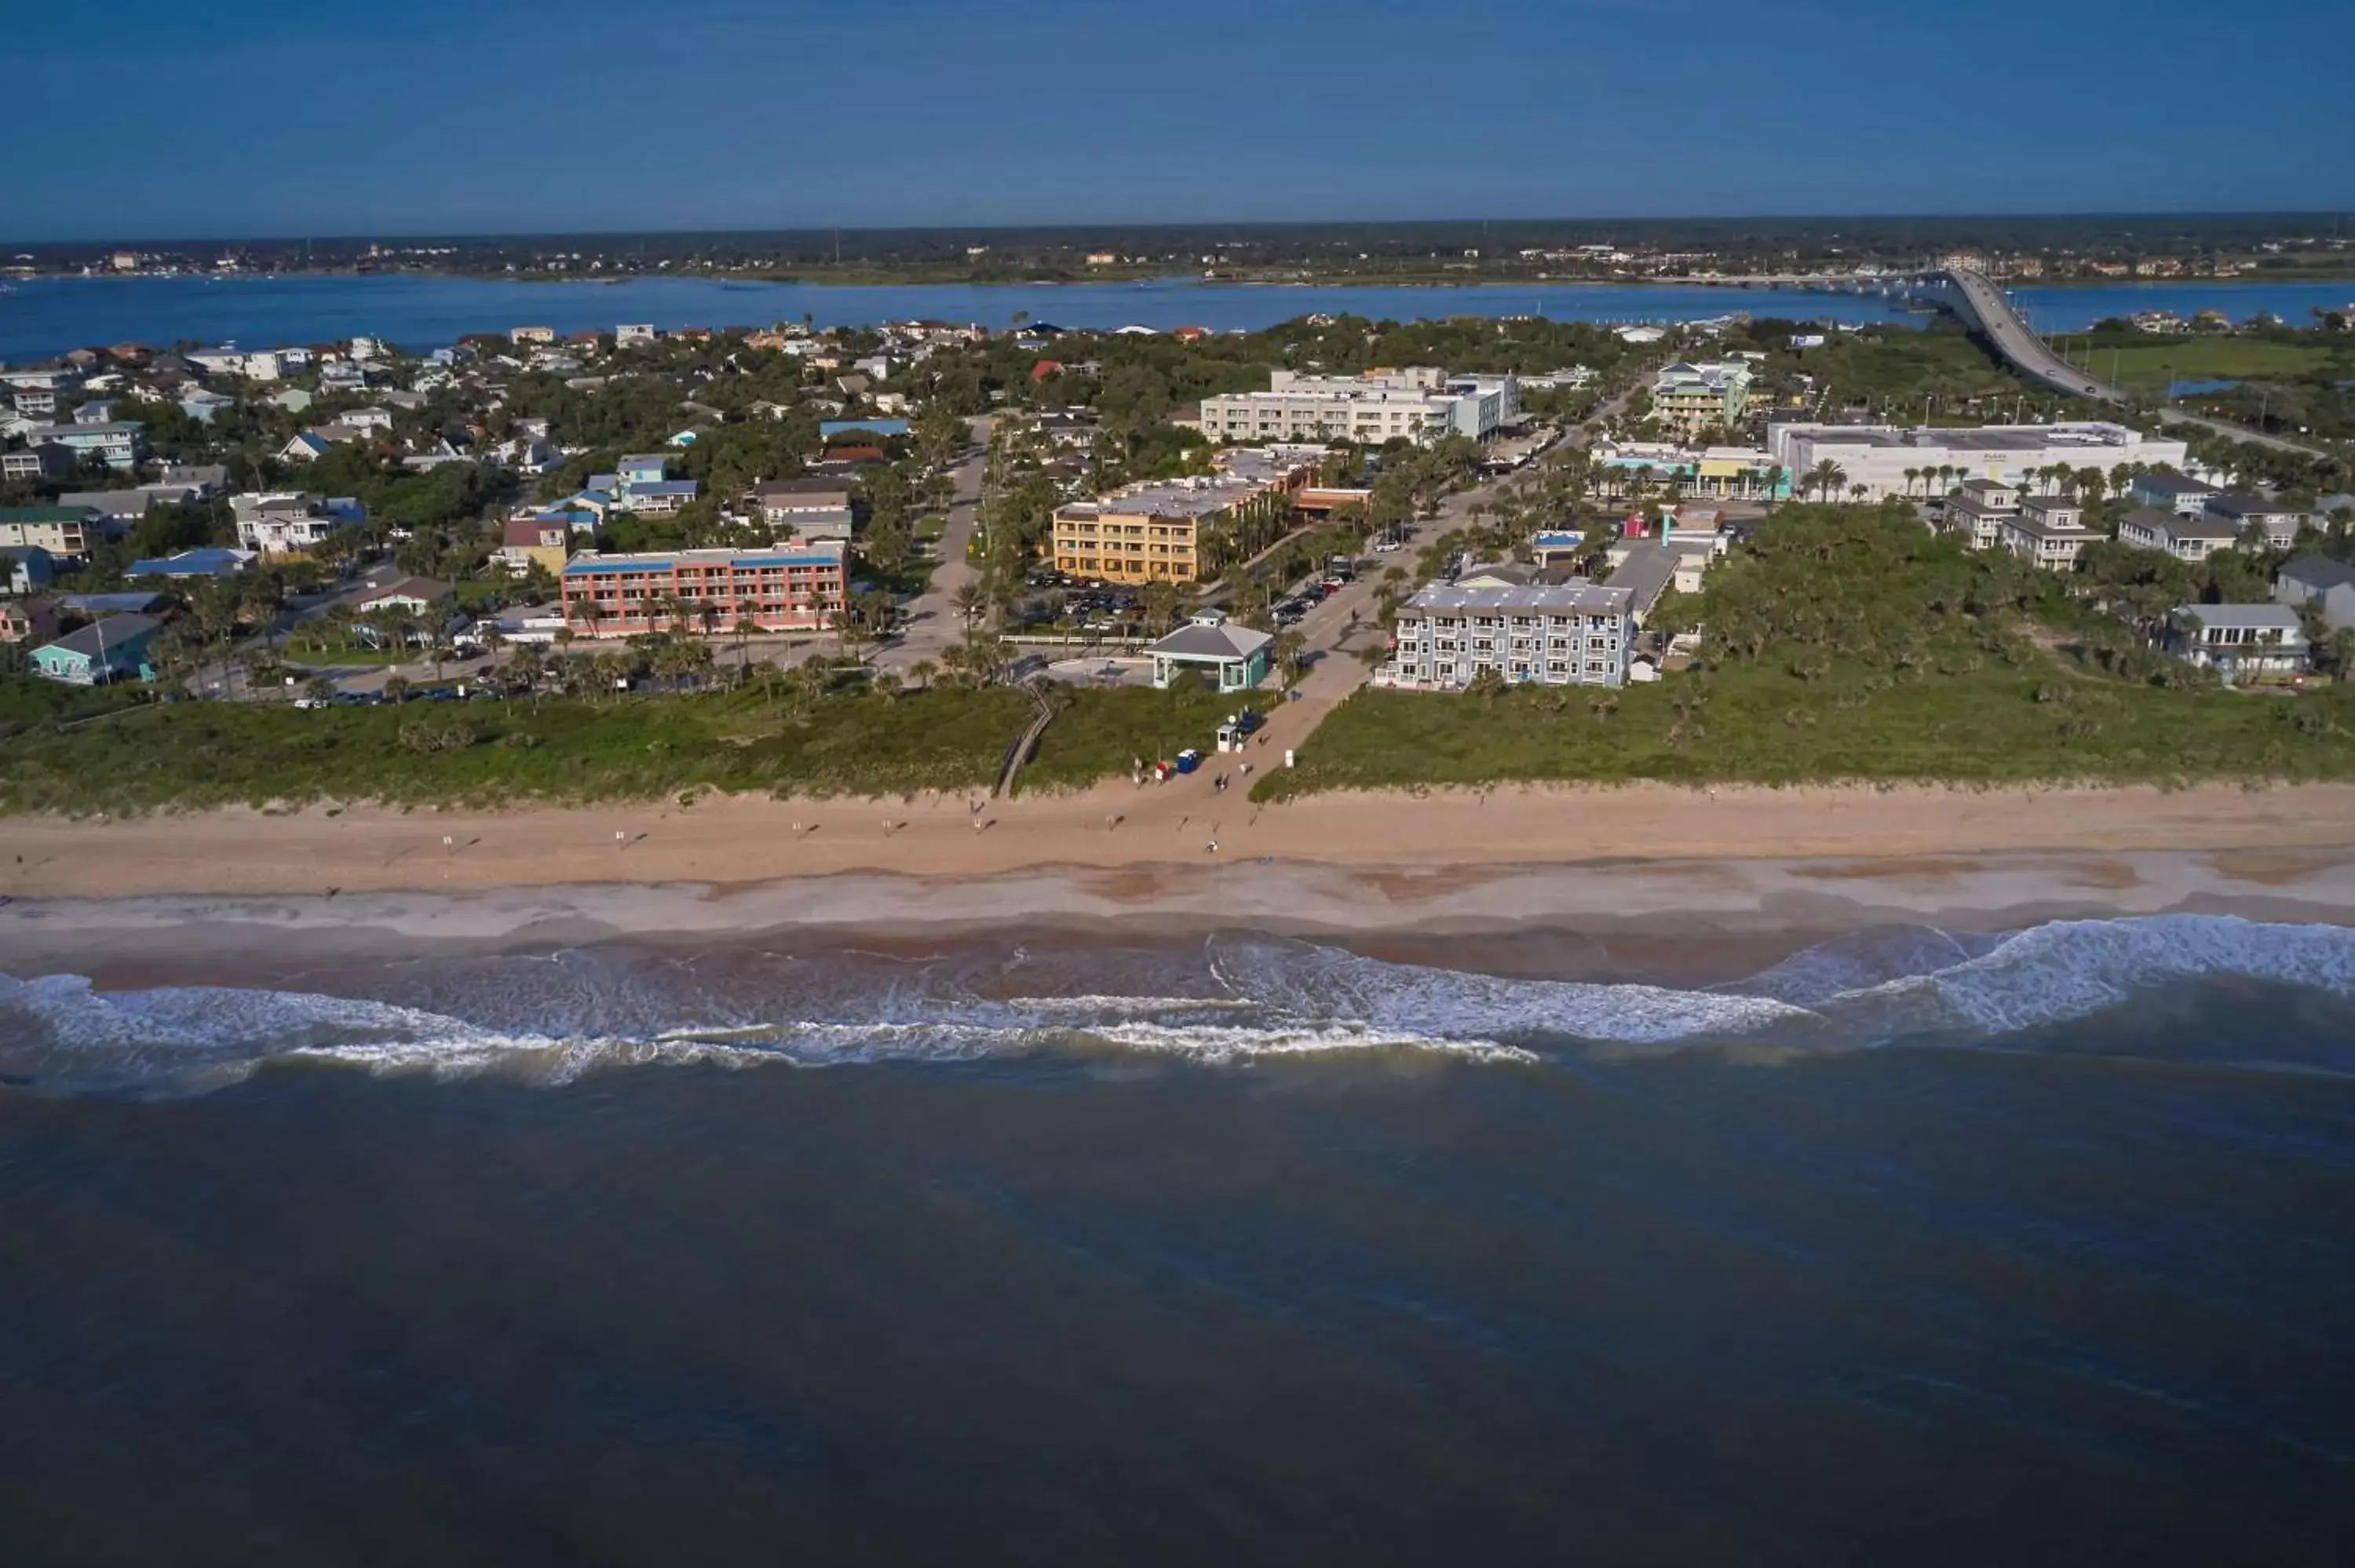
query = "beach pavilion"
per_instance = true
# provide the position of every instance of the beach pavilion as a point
(1233, 658)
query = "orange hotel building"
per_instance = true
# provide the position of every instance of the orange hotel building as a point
(786, 587)
(1183, 530)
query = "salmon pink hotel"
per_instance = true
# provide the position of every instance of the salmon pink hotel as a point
(795, 587)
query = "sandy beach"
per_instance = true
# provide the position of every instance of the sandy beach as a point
(727, 842)
(1669, 875)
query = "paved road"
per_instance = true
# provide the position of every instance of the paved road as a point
(931, 623)
(1988, 306)
(2001, 323)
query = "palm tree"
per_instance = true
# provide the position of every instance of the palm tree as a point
(922, 672)
(970, 598)
(1825, 478)
(1912, 477)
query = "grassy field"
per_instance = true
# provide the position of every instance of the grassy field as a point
(1851, 646)
(1997, 724)
(212, 754)
(2149, 367)
(1104, 732)
(193, 754)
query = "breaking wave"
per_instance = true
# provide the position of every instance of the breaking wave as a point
(552, 1018)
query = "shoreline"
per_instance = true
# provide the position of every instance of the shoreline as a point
(1685, 923)
(1636, 885)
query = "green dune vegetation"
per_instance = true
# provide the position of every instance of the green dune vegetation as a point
(1850, 644)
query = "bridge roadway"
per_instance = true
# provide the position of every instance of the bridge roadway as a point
(1984, 306)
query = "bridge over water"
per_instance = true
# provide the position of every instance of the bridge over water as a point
(1975, 299)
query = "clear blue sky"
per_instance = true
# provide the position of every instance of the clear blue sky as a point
(264, 117)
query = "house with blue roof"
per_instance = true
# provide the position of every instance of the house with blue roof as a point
(829, 428)
(204, 562)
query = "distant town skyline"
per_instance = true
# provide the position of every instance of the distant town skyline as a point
(482, 118)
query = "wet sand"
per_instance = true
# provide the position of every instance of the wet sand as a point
(1676, 921)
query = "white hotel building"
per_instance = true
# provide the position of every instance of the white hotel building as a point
(1418, 403)
(1576, 635)
(1876, 456)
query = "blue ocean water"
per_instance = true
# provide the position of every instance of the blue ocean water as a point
(47, 316)
(1917, 1247)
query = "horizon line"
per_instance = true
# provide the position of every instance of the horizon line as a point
(363, 235)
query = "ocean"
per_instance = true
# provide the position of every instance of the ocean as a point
(1104, 1246)
(46, 316)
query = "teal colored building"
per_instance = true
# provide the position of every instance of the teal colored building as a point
(115, 648)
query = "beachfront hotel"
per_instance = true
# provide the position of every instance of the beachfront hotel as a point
(795, 587)
(1171, 530)
(1574, 635)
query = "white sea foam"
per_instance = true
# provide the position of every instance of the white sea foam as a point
(2069, 969)
(1284, 999)
(1323, 982)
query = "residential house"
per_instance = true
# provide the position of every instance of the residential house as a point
(1231, 658)
(786, 587)
(2187, 537)
(48, 461)
(114, 649)
(2170, 492)
(203, 562)
(27, 621)
(41, 401)
(422, 596)
(2245, 510)
(200, 403)
(644, 468)
(286, 523)
(365, 419)
(543, 541)
(293, 400)
(2327, 585)
(305, 447)
(207, 479)
(1979, 525)
(2240, 641)
(2048, 533)
(1575, 634)
(122, 507)
(531, 334)
(24, 569)
(780, 502)
(635, 335)
(120, 442)
(227, 360)
(342, 375)
(62, 531)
